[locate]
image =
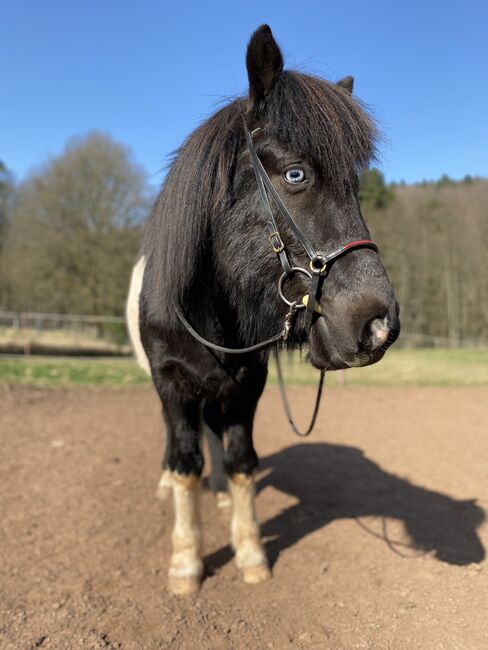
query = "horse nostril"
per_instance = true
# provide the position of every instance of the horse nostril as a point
(376, 333)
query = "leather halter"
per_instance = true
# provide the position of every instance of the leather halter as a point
(319, 261)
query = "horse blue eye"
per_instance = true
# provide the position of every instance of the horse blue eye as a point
(295, 175)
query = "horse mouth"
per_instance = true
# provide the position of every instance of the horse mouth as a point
(325, 355)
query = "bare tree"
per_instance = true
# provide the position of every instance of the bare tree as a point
(76, 228)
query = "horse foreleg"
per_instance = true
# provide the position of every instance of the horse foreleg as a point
(240, 462)
(245, 533)
(185, 460)
(186, 567)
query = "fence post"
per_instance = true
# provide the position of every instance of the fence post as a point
(23, 327)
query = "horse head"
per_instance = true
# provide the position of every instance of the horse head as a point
(313, 139)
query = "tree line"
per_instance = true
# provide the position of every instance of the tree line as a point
(70, 232)
(433, 238)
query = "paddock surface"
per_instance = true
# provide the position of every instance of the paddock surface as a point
(374, 525)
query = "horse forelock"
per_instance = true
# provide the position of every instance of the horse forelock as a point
(322, 122)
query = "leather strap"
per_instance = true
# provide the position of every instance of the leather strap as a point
(282, 336)
(286, 404)
(265, 182)
(272, 227)
(312, 299)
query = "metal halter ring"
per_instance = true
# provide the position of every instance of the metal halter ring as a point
(318, 260)
(295, 269)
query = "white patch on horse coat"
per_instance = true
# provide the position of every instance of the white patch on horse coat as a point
(132, 314)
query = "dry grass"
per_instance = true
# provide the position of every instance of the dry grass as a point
(58, 339)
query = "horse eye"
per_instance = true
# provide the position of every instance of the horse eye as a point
(295, 175)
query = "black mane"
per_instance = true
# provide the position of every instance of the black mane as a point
(316, 119)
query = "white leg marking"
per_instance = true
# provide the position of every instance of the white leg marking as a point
(132, 313)
(165, 485)
(250, 556)
(186, 567)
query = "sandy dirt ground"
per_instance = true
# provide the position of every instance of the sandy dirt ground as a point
(374, 525)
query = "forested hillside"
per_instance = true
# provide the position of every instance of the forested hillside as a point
(434, 243)
(70, 232)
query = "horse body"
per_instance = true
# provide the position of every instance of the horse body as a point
(206, 252)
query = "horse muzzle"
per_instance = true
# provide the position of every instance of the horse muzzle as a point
(335, 347)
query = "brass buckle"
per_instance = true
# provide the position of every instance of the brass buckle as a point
(281, 245)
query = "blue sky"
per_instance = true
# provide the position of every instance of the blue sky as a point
(147, 72)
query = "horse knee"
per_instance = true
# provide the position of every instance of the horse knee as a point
(186, 459)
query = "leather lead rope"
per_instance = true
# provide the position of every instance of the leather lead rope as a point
(220, 348)
(282, 336)
(281, 383)
(286, 404)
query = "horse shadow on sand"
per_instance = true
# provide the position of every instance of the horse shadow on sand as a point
(333, 482)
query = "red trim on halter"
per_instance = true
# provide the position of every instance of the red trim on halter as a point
(365, 243)
(360, 242)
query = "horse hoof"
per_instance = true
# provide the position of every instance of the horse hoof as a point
(165, 486)
(255, 575)
(223, 500)
(184, 586)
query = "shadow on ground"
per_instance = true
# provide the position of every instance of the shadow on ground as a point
(334, 482)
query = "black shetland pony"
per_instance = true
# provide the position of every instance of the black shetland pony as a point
(208, 258)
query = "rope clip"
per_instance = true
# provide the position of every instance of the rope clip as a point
(289, 320)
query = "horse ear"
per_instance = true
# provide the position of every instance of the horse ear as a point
(264, 64)
(347, 84)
